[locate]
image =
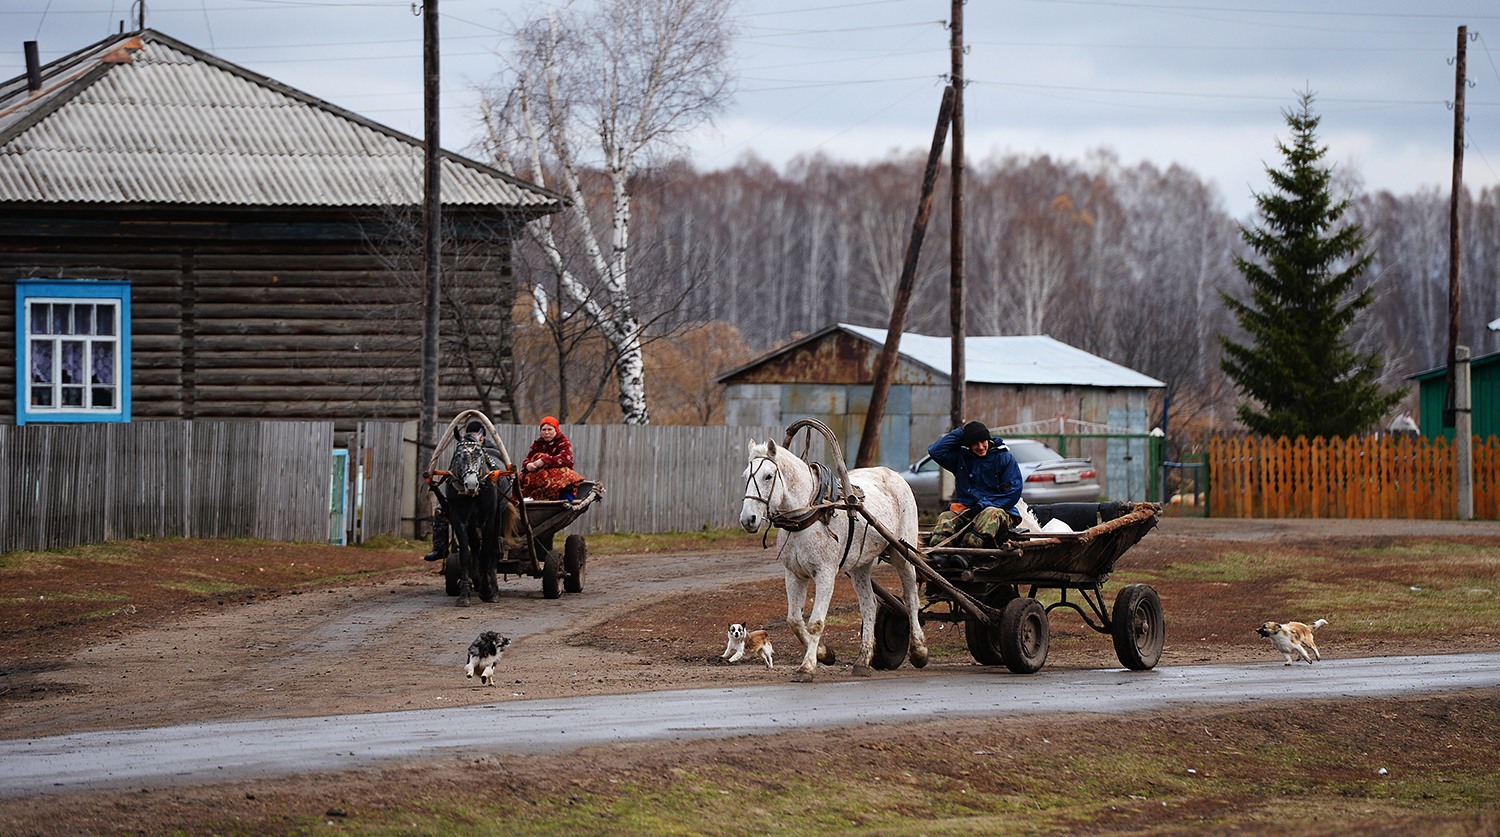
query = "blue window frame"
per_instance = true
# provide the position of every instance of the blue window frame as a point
(72, 351)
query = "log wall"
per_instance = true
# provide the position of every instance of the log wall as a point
(253, 318)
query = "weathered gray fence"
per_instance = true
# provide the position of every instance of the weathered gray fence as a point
(380, 480)
(656, 478)
(62, 485)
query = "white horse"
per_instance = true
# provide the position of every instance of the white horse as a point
(779, 481)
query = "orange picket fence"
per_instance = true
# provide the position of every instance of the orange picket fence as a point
(1360, 477)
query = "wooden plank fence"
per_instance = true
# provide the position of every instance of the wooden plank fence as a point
(656, 478)
(1359, 477)
(63, 485)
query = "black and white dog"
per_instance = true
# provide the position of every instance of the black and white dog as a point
(484, 652)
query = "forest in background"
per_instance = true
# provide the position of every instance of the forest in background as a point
(1125, 261)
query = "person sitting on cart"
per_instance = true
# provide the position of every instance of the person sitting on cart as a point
(987, 486)
(473, 432)
(547, 471)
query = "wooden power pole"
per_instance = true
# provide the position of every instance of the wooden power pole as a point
(1454, 249)
(958, 371)
(1456, 413)
(432, 206)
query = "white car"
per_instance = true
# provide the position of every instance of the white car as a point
(1050, 477)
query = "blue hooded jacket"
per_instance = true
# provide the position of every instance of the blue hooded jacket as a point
(993, 480)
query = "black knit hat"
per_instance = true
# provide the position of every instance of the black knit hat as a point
(974, 433)
(474, 427)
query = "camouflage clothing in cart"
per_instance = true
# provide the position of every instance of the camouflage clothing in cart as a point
(988, 531)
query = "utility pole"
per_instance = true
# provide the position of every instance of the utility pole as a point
(432, 236)
(1456, 412)
(1460, 64)
(958, 371)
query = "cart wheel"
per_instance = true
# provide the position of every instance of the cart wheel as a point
(451, 573)
(892, 637)
(1024, 636)
(575, 556)
(1138, 627)
(552, 572)
(984, 640)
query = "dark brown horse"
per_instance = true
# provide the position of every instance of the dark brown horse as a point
(475, 496)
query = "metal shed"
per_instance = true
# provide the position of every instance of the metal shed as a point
(1484, 391)
(1012, 380)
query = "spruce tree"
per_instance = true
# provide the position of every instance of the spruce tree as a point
(1300, 369)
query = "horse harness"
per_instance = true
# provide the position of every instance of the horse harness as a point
(491, 467)
(824, 501)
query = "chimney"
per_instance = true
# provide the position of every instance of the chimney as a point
(33, 68)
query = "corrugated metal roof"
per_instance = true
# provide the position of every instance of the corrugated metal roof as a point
(146, 119)
(1025, 359)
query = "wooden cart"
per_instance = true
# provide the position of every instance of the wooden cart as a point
(993, 592)
(534, 555)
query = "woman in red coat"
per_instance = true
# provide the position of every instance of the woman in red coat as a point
(547, 472)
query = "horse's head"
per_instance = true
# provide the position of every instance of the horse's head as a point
(470, 468)
(765, 488)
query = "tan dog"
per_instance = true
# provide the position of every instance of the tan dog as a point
(745, 643)
(1293, 639)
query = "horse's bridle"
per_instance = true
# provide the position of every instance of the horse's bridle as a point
(476, 459)
(750, 480)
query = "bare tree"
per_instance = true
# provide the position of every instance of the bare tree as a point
(601, 89)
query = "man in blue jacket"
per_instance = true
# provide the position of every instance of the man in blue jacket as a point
(987, 485)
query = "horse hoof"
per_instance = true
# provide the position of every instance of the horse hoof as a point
(463, 601)
(862, 671)
(802, 677)
(826, 656)
(918, 658)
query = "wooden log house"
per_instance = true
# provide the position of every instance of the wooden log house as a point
(184, 239)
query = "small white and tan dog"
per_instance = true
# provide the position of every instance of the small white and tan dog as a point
(1293, 639)
(484, 652)
(745, 643)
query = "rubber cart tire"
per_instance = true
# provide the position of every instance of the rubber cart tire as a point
(1024, 635)
(575, 557)
(892, 638)
(984, 640)
(552, 573)
(1138, 627)
(451, 572)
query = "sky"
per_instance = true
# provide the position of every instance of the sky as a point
(1197, 83)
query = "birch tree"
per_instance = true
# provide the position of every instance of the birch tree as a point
(596, 89)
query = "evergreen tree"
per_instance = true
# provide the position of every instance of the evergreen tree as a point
(1300, 369)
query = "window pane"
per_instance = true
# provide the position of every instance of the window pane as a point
(41, 318)
(41, 361)
(41, 396)
(103, 397)
(102, 363)
(106, 318)
(62, 318)
(72, 396)
(83, 319)
(70, 364)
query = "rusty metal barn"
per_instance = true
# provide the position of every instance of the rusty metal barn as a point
(1025, 386)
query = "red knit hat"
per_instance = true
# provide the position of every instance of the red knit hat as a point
(549, 420)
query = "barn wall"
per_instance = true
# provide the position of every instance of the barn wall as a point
(296, 319)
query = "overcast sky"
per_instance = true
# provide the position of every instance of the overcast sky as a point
(1194, 82)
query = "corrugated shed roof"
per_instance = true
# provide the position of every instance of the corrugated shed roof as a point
(143, 118)
(1025, 359)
